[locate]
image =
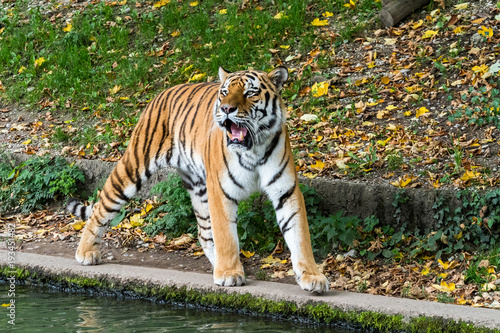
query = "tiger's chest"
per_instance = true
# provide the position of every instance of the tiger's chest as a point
(239, 178)
(246, 173)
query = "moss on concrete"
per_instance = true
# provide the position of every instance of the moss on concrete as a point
(318, 312)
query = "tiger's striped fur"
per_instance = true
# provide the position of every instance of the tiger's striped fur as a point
(227, 140)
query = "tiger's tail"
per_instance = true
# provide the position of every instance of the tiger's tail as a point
(78, 209)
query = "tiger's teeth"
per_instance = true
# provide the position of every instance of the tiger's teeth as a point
(241, 136)
(230, 135)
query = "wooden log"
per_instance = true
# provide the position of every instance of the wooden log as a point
(394, 11)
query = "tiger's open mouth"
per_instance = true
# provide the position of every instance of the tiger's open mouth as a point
(237, 135)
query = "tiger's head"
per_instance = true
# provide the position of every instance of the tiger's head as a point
(249, 108)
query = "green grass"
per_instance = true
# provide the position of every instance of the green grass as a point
(140, 51)
(480, 275)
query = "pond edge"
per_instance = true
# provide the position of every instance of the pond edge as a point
(246, 303)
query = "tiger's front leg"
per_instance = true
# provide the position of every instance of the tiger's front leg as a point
(283, 189)
(292, 219)
(228, 270)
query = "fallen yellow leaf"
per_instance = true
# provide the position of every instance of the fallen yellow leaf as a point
(193, 3)
(136, 220)
(468, 175)
(115, 89)
(327, 14)
(429, 34)
(447, 265)
(421, 111)
(403, 182)
(27, 142)
(197, 77)
(126, 225)
(270, 260)
(384, 142)
(161, 3)
(309, 175)
(247, 254)
(68, 27)
(320, 88)
(78, 225)
(319, 23)
(480, 69)
(39, 62)
(351, 4)
(381, 114)
(319, 165)
(146, 209)
(444, 287)
(279, 16)
(417, 25)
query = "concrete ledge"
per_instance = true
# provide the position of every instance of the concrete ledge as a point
(48, 267)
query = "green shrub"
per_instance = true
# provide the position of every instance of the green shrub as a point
(257, 226)
(36, 182)
(176, 216)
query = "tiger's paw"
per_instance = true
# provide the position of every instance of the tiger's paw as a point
(92, 257)
(230, 278)
(315, 283)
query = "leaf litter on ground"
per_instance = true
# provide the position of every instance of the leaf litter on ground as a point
(419, 99)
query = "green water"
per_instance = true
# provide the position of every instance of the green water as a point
(46, 310)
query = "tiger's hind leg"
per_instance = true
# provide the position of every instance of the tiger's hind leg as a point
(199, 198)
(125, 180)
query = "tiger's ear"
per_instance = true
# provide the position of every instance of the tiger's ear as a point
(222, 74)
(278, 76)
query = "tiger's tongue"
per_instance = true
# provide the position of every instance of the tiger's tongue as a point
(238, 133)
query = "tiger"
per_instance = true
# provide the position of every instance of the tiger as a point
(227, 140)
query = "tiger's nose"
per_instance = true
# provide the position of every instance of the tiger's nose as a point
(227, 109)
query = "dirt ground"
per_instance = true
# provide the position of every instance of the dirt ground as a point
(48, 240)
